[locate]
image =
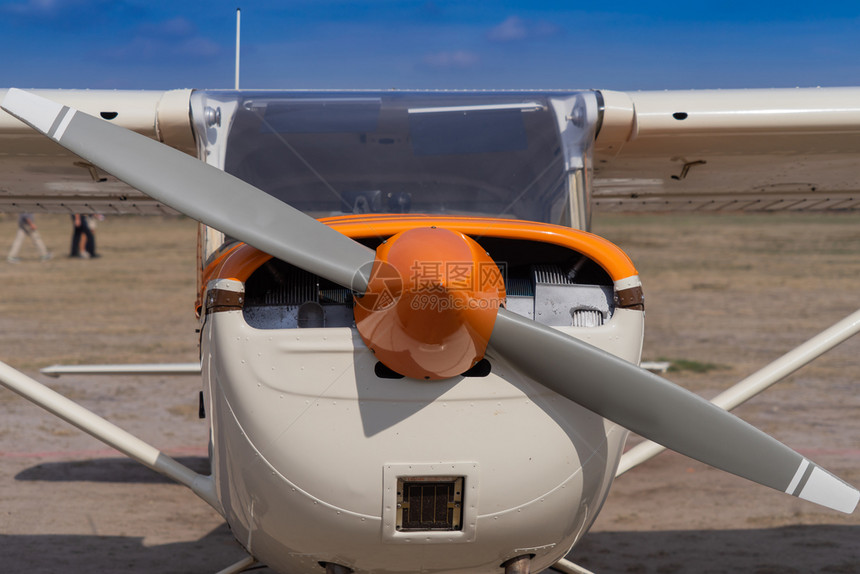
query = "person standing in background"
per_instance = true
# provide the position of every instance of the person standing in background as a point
(83, 238)
(27, 228)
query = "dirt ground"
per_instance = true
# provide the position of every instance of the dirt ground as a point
(723, 292)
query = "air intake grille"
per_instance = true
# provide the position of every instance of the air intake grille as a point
(429, 503)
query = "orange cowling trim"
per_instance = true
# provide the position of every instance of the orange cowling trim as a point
(242, 260)
(238, 262)
(608, 255)
(431, 303)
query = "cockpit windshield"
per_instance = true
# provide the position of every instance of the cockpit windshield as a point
(491, 154)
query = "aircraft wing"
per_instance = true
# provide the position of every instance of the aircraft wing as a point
(38, 175)
(734, 150)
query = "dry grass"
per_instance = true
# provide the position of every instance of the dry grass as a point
(135, 303)
(740, 290)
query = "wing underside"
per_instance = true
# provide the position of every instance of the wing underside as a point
(37, 175)
(705, 150)
(729, 150)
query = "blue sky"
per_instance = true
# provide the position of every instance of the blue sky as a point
(623, 45)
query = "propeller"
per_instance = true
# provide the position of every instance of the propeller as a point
(662, 411)
(612, 388)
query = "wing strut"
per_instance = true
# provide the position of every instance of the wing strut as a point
(108, 433)
(565, 566)
(241, 566)
(171, 369)
(758, 382)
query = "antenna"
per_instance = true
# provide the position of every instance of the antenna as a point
(238, 30)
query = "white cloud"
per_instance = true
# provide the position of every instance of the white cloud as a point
(512, 29)
(164, 41)
(49, 9)
(40, 7)
(515, 29)
(460, 59)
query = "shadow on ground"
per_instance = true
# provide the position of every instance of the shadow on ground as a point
(121, 470)
(786, 550)
(789, 550)
(49, 553)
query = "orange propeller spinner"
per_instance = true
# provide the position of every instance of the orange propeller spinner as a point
(430, 304)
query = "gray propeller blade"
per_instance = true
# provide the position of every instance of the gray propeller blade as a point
(200, 191)
(661, 411)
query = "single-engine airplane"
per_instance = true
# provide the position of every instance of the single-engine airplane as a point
(415, 357)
